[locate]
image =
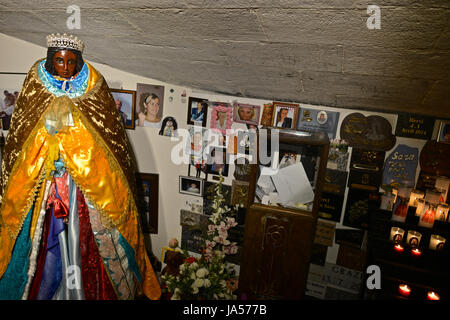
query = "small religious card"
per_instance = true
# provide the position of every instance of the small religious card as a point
(312, 120)
(414, 126)
(267, 114)
(400, 167)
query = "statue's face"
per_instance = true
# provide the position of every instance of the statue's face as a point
(65, 63)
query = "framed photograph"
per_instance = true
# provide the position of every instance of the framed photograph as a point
(147, 194)
(444, 132)
(149, 105)
(221, 116)
(126, 105)
(197, 142)
(285, 115)
(217, 161)
(267, 115)
(246, 113)
(10, 84)
(192, 186)
(197, 111)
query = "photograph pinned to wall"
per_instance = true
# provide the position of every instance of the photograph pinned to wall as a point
(199, 165)
(444, 132)
(149, 105)
(147, 194)
(239, 193)
(242, 168)
(246, 113)
(221, 116)
(267, 115)
(285, 115)
(126, 105)
(338, 155)
(197, 111)
(245, 143)
(190, 185)
(312, 120)
(218, 161)
(8, 98)
(169, 127)
(197, 142)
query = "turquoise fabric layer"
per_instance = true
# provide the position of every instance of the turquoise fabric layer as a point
(15, 277)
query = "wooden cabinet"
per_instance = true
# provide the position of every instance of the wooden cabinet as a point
(278, 239)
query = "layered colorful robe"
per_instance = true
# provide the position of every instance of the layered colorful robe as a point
(69, 227)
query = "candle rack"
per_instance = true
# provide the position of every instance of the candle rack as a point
(427, 271)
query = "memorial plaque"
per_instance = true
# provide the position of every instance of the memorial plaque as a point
(189, 218)
(342, 277)
(192, 239)
(364, 180)
(318, 254)
(335, 181)
(400, 167)
(347, 237)
(434, 158)
(372, 132)
(357, 208)
(367, 160)
(324, 233)
(414, 126)
(330, 206)
(425, 181)
(312, 120)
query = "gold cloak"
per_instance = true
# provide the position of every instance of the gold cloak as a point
(96, 152)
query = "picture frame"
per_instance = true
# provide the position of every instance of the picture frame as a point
(444, 132)
(284, 120)
(149, 105)
(126, 105)
(197, 142)
(191, 185)
(221, 116)
(239, 192)
(217, 160)
(267, 115)
(194, 116)
(147, 195)
(246, 113)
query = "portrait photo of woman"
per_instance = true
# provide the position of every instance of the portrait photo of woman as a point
(150, 105)
(246, 113)
(285, 115)
(221, 117)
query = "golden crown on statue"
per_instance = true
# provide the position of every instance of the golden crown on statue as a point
(64, 41)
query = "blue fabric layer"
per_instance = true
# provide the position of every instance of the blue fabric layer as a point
(14, 280)
(52, 273)
(72, 88)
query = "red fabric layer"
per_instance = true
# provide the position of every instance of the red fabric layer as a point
(96, 283)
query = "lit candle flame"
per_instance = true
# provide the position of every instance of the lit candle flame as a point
(433, 296)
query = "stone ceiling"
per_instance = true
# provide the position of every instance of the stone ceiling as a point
(311, 51)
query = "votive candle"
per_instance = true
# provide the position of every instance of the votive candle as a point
(442, 212)
(396, 234)
(413, 238)
(404, 290)
(431, 295)
(415, 195)
(428, 216)
(437, 242)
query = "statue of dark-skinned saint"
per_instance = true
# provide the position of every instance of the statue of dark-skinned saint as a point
(69, 225)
